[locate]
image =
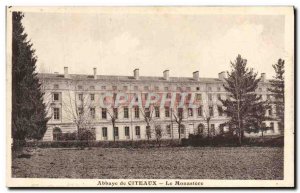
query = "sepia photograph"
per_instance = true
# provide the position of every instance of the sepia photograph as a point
(165, 97)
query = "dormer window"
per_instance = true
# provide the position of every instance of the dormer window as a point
(56, 86)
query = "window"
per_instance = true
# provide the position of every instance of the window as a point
(211, 111)
(200, 111)
(197, 88)
(80, 111)
(189, 96)
(147, 112)
(219, 88)
(136, 98)
(181, 129)
(210, 97)
(79, 87)
(270, 112)
(260, 89)
(190, 112)
(209, 88)
(156, 88)
(127, 131)
(56, 134)
(137, 131)
(178, 89)
(213, 130)
(92, 87)
(115, 111)
(268, 97)
(104, 114)
(56, 86)
(169, 95)
(126, 114)
(157, 114)
(167, 112)
(104, 131)
(92, 112)
(166, 88)
(92, 97)
(219, 96)
(272, 126)
(56, 113)
(55, 97)
(116, 132)
(199, 97)
(136, 88)
(180, 112)
(188, 88)
(146, 87)
(168, 129)
(80, 96)
(103, 87)
(200, 129)
(220, 111)
(136, 112)
(114, 87)
(146, 96)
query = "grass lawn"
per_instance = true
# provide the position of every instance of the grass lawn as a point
(160, 163)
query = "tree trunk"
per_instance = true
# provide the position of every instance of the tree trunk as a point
(179, 130)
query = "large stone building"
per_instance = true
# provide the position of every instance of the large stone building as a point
(70, 96)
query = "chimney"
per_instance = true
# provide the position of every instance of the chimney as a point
(95, 73)
(66, 75)
(196, 75)
(136, 74)
(263, 77)
(222, 75)
(166, 74)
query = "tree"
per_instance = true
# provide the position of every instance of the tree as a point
(179, 117)
(29, 118)
(242, 101)
(158, 133)
(78, 108)
(277, 90)
(147, 114)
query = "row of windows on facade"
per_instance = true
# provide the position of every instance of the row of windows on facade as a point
(199, 130)
(147, 112)
(180, 112)
(56, 96)
(146, 88)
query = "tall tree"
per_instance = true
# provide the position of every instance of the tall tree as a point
(28, 110)
(242, 101)
(277, 90)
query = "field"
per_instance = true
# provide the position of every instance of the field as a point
(175, 163)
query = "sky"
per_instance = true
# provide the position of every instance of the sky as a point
(116, 44)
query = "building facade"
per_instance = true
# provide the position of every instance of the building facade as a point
(74, 101)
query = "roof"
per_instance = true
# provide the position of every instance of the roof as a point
(82, 77)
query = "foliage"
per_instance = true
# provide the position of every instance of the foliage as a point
(277, 90)
(244, 107)
(28, 110)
